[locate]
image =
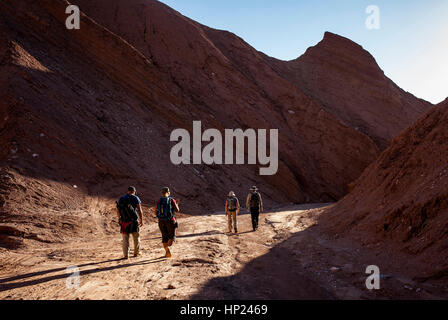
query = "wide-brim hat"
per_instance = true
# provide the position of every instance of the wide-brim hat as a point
(165, 190)
(254, 188)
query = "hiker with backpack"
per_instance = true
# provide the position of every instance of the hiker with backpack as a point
(232, 210)
(130, 216)
(254, 203)
(166, 207)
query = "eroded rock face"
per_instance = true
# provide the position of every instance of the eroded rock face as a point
(401, 201)
(347, 81)
(94, 108)
(219, 70)
(106, 98)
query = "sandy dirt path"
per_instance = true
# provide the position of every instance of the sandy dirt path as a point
(287, 258)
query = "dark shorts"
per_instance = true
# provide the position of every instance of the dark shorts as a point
(168, 230)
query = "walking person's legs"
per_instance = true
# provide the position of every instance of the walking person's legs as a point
(136, 237)
(125, 245)
(252, 217)
(171, 233)
(254, 212)
(165, 238)
(235, 223)
(167, 250)
(229, 221)
(257, 214)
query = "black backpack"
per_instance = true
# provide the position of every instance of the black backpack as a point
(255, 200)
(127, 212)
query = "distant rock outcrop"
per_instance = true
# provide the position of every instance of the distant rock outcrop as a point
(347, 81)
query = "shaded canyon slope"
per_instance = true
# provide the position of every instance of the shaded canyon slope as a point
(400, 203)
(84, 113)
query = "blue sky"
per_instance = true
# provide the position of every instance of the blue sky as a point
(411, 45)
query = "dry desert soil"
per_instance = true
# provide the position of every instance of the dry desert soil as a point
(208, 263)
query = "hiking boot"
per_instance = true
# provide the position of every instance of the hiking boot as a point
(137, 255)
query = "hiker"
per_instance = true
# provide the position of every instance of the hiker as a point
(166, 207)
(232, 210)
(130, 216)
(255, 205)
